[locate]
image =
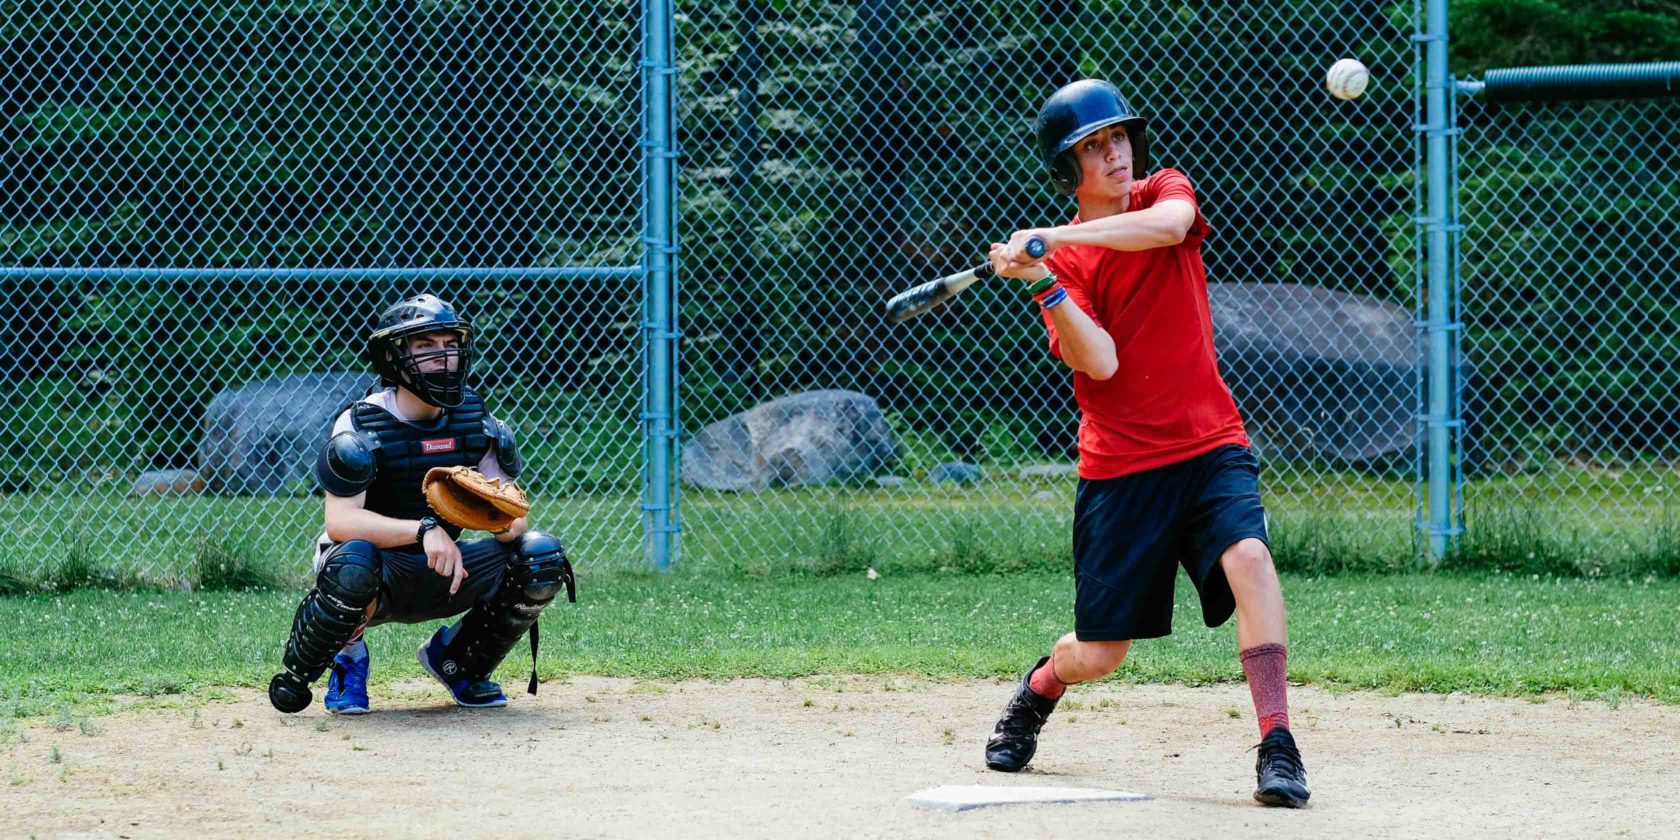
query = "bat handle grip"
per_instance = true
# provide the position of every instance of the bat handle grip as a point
(1035, 249)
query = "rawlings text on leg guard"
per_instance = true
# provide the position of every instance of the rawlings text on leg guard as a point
(325, 621)
(536, 571)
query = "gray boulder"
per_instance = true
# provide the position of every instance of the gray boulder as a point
(261, 438)
(167, 482)
(812, 438)
(1032, 471)
(956, 472)
(1317, 372)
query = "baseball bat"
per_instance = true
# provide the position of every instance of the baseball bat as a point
(924, 298)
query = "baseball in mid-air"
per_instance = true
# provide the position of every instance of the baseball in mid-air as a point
(1347, 79)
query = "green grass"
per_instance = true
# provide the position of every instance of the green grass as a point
(1577, 522)
(1570, 522)
(1336, 523)
(1495, 634)
(209, 542)
(230, 562)
(1566, 584)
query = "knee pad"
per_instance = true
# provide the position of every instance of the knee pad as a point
(539, 567)
(349, 576)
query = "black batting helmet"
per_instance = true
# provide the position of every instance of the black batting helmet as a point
(388, 349)
(1075, 111)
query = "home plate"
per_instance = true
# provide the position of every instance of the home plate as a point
(966, 797)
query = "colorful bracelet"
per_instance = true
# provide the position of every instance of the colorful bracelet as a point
(1051, 300)
(1041, 286)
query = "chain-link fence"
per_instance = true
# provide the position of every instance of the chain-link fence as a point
(837, 152)
(203, 206)
(1571, 302)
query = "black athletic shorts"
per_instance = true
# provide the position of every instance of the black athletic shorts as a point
(1130, 535)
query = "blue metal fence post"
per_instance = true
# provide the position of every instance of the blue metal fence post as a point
(659, 256)
(1440, 418)
(1455, 368)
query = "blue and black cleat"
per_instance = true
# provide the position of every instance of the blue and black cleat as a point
(473, 692)
(347, 686)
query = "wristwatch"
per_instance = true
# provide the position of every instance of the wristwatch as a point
(427, 523)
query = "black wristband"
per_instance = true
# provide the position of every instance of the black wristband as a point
(427, 523)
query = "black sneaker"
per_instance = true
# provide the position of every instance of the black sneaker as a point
(1283, 779)
(1015, 738)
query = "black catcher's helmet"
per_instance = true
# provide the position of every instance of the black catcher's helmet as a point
(1077, 110)
(388, 349)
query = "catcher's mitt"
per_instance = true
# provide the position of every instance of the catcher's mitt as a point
(465, 497)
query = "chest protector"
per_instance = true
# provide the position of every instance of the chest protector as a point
(403, 453)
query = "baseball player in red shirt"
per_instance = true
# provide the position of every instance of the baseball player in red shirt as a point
(1166, 475)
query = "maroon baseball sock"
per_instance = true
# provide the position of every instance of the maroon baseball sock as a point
(1264, 665)
(1044, 681)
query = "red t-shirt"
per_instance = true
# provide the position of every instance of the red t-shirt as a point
(1166, 402)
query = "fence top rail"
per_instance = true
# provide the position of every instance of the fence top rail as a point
(568, 273)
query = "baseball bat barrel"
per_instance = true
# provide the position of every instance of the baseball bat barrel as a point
(921, 299)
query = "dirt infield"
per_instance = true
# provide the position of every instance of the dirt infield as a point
(835, 756)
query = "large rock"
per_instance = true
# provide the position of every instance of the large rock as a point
(1316, 372)
(261, 438)
(1032, 471)
(956, 472)
(168, 482)
(812, 438)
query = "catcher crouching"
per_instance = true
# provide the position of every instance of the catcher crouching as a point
(420, 447)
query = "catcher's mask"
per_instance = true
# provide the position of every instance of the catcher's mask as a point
(1080, 109)
(389, 350)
